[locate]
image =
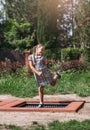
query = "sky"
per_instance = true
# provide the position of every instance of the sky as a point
(1, 8)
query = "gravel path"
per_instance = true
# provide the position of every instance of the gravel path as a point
(27, 118)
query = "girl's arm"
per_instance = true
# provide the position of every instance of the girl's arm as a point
(33, 68)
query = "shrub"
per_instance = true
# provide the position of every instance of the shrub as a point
(87, 54)
(71, 54)
(73, 64)
(53, 53)
(24, 71)
(9, 66)
(18, 35)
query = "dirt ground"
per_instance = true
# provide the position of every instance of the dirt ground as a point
(27, 118)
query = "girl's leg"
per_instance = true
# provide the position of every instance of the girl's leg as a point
(56, 77)
(41, 93)
(53, 83)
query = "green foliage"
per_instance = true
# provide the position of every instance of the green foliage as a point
(18, 85)
(12, 127)
(55, 125)
(36, 126)
(25, 86)
(65, 22)
(21, 10)
(87, 54)
(55, 67)
(52, 20)
(53, 53)
(82, 19)
(47, 31)
(74, 83)
(71, 53)
(18, 36)
(74, 65)
(71, 125)
(24, 71)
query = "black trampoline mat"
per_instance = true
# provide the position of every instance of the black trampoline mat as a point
(46, 105)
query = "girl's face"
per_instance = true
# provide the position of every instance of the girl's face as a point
(40, 50)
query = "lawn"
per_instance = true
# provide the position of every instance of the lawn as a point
(55, 125)
(25, 86)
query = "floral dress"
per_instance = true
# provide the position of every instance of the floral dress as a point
(39, 64)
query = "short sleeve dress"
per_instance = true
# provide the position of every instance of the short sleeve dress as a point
(39, 64)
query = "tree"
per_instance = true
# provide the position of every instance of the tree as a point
(51, 19)
(47, 23)
(1, 11)
(65, 22)
(21, 10)
(1, 20)
(18, 35)
(23, 13)
(82, 16)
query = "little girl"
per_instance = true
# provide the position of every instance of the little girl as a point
(37, 63)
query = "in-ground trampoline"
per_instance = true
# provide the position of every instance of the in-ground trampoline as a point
(32, 105)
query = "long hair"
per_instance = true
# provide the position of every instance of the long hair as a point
(34, 51)
(36, 47)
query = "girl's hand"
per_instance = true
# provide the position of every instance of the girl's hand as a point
(39, 73)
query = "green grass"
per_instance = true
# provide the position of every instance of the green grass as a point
(78, 83)
(18, 86)
(23, 86)
(71, 125)
(55, 125)
(10, 127)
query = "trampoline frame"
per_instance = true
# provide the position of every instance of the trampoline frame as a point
(11, 105)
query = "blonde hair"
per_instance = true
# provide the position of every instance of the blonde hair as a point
(36, 47)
